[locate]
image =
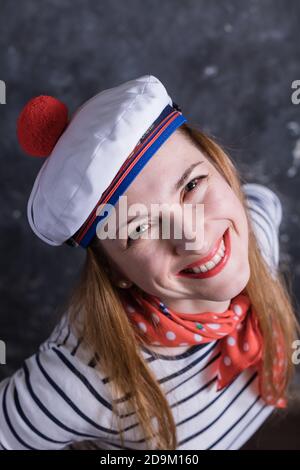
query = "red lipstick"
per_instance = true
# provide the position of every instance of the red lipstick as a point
(218, 267)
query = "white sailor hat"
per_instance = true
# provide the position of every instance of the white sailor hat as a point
(92, 158)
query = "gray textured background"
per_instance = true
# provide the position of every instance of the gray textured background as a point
(228, 64)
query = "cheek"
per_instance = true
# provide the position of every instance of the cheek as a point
(229, 207)
(233, 209)
(241, 231)
(241, 221)
(148, 266)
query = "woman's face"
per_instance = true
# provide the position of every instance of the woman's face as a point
(153, 263)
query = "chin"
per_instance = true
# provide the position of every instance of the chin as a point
(226, 290)
(238, 284)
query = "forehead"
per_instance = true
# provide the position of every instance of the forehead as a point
(158, 177)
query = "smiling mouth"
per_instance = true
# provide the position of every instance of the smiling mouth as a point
(214, 262)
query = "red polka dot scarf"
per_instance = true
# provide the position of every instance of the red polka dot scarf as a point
(237, 329)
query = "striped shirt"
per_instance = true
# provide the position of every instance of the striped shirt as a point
(58, 399)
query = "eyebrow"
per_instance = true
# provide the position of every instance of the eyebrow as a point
(185, 176)
(177, 186)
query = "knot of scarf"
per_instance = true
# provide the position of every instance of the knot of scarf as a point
(237, 330)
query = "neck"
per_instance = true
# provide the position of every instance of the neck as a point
(196, 305)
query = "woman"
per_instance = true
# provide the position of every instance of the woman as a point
(159, 347)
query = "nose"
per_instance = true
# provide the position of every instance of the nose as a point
(193, 246)
(191, 234)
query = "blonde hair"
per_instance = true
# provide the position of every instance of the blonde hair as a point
(97, 297)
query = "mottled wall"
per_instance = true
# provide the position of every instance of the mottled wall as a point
(228, 64)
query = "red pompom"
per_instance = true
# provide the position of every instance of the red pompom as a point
(40, 124)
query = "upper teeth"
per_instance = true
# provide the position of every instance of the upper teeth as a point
(209, 264)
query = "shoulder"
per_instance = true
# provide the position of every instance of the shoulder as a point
(265, 210)
(58, 396)
(264, 198)
(69, 346)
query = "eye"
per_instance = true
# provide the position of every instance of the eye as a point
(136, 232)
(192, 184)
